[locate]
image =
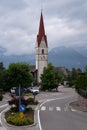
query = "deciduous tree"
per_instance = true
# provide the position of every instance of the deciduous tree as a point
(19, 73)
(49, 78)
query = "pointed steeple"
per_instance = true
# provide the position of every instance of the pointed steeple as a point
(41, 33)
(41, 26)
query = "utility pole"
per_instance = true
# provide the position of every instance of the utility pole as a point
(19, 95)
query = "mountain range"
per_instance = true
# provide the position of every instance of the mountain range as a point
(68, 57)
(59, 56)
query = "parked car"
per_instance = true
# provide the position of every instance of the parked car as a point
(12, 90)
(34, 90)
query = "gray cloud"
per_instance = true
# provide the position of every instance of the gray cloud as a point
(65, 24)
(12, 4)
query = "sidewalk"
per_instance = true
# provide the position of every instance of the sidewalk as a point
(2, 128)
(77, 107)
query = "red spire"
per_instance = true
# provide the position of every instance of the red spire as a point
(41, 32)
(41, 27)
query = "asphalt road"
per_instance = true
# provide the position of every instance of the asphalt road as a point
(57, 115)
(53, 115)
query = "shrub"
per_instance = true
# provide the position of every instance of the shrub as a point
(81, 83)
(15, 101)
(15, 119)
(31, 121)
(31, 101)
(30, 109)
(13, 109)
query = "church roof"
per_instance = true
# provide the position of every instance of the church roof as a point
(41, 33)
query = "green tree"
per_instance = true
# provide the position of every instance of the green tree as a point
(19, 73)
(81, 83)
(1, 66)
(49, 78)
(3, 79)
(3, 74)
(73, 76)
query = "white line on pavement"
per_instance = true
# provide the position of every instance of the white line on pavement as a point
(46, 102)
(43, 108)
(1, 114)
(2, 111)
(58, 108)
(4, 105)
(39, 120)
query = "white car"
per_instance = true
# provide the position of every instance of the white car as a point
(12, 90)
(34, 90)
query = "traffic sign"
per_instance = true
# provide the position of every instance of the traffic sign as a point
(22, 108)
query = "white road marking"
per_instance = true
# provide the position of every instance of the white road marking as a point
(4, 105)
(1, 114)
(43, 108)
(39, 120)
(58, 108)
(46, 102)
(2, 111)
(0, 119)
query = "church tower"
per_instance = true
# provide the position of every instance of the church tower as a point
(41, 49)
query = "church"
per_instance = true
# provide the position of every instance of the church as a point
(41, 51)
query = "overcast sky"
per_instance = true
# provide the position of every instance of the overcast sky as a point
(65, 24)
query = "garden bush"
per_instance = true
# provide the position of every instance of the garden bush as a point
(29, 109)
(15, 119)
(31, 101)
(15, 101)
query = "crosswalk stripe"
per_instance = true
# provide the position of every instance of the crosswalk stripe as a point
(43, 108)
(50, 108)
(58, 108)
